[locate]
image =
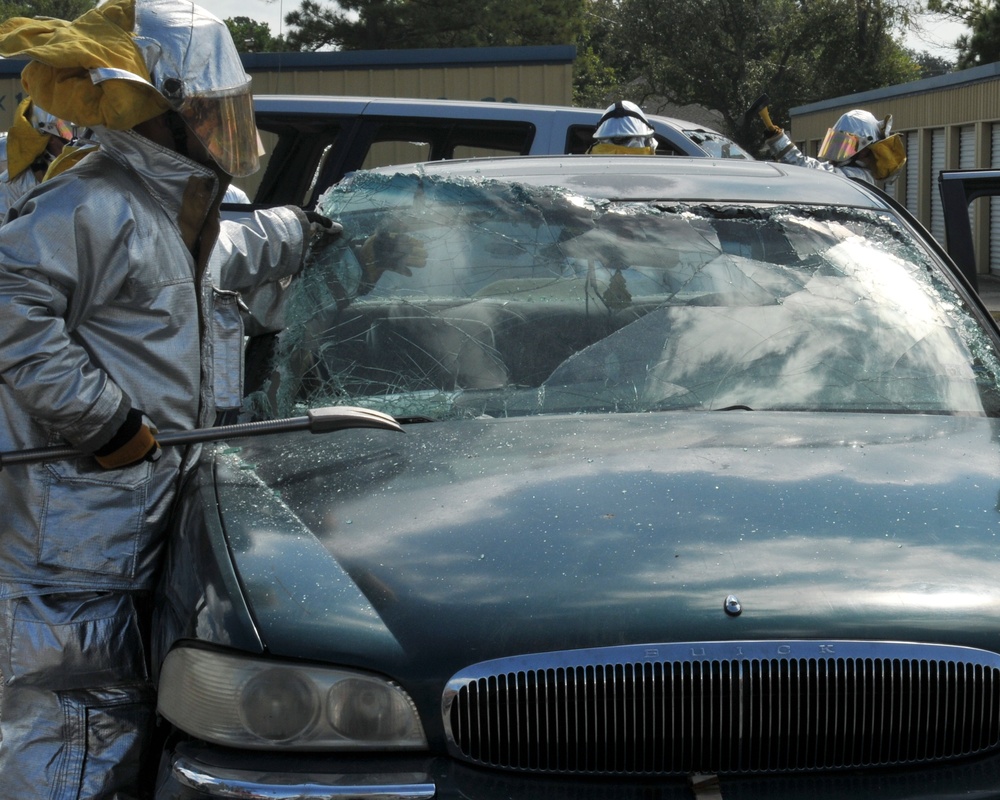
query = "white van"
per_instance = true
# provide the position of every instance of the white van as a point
(313, 141)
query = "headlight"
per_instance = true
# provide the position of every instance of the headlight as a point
(241, 701)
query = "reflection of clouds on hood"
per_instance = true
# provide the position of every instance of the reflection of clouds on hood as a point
(752, 502)
(937, 451)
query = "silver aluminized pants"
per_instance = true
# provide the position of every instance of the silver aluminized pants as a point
(76, 703)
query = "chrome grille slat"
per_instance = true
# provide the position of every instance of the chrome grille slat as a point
(725, 708)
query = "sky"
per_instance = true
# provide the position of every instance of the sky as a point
(937, 35)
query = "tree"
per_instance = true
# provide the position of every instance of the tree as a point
(930, 65)
(398, 24)
(60, 9)
(595, 78)
(723, 54)
(982, 44)
(252, 36)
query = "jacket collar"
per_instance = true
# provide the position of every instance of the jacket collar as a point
(188, 192)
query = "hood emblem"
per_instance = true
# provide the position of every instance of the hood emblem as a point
(733, 606)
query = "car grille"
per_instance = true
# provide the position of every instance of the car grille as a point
(725, 708)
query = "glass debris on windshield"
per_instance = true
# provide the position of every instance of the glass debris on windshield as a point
(452, 298)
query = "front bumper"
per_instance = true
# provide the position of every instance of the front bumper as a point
(201, 772)
(192, 772)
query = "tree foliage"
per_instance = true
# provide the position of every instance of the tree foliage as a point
(251, 36)
(596, 75)
(723, 54)
(60, 9)
(982, 44)
(931, 65)
(400, 24)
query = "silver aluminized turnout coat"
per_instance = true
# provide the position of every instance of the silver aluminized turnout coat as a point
(105, 308)
(106, 303)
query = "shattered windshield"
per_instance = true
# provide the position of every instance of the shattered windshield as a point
(451, 298)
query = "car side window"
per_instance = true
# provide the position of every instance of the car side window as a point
(396, 151)
(393, 142)
(297, 152)
(579, 138)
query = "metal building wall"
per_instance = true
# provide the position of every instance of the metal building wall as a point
(11, 92)
(950, 122)
(548, 84)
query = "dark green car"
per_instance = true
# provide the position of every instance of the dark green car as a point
(696, 494)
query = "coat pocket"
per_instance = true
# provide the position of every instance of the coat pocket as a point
(93, 519)
(72, 640)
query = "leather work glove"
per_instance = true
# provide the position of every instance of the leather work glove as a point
(323, 229)
(133, 442)
(388, 251)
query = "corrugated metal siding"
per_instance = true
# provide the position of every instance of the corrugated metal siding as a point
(11, 95)
(547, 84)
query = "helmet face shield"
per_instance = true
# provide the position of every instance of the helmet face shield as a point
(840, 146)
(225, 126)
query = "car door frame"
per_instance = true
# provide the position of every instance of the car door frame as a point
(958, 189)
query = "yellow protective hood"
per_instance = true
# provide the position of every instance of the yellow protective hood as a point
(71, 154)
(888, 156)
(607, 148)
(25, 143)
(62, 53)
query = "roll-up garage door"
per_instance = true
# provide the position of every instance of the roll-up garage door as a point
(937, 164)
(912, 199)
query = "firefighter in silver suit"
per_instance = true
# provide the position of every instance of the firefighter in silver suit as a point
(108, 310)
(857, 145)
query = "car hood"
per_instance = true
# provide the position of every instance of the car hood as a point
(456, 542)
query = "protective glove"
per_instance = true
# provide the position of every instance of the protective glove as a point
(389, 251)
(321, 228)
(779, 144)
(133, 442)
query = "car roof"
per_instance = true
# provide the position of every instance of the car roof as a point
(460, 109)
(679, 178)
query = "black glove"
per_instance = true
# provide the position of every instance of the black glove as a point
(133, 442)
(324, 227)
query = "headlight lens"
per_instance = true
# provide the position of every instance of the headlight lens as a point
(241, 701)
(278, 705)
(368, 709)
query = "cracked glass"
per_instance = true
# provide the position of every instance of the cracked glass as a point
(452, 298)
